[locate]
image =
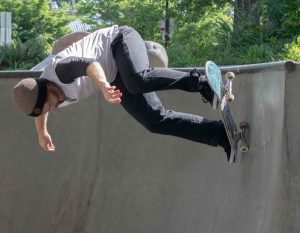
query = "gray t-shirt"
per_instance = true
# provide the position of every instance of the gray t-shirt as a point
(96, 45)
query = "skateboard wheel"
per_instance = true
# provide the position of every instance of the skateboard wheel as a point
(229, 98)
(244, 125)
(229, 76)
(244, 148)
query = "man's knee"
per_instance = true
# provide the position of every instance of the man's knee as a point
(153, 119)
(135, 90)
(158, 124)
(154, 128)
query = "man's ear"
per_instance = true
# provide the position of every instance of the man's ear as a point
(56, 90)
(51, 87)
(50, 84)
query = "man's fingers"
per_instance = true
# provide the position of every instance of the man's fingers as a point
(50, 147)
(112, 95)
(115, 95)
(114, 91)
(115, 101)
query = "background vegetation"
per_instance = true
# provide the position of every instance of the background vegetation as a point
(34, 29)
(225, 31)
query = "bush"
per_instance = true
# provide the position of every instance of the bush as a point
(293, 50)
(212, 37)
(259, 53)
(207, 38)
(19, 55)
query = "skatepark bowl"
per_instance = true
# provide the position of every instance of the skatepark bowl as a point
(110, 175)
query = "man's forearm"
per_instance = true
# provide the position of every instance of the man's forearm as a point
(110, 93)
(96, 73)
(41, 123)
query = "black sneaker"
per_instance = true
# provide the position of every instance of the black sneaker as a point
(227, 148)
(207, 93)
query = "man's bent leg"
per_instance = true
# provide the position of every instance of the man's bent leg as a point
(149, 111)
(131, 58)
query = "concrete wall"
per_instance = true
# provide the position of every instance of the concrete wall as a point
(110, 175)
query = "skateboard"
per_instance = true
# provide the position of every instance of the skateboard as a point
(225, 96)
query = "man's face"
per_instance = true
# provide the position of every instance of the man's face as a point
(54, 99)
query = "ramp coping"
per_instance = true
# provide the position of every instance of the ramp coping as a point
(290, 66)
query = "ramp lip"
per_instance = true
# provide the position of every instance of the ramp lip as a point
(288, 65)
(20, 74)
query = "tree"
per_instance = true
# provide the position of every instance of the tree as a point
(283, 16)
(143, 15)
(246, 9)
(246, 20)
(34, 19)
(194, 9)
(35, 27)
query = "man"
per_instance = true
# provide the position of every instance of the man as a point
(114, 60)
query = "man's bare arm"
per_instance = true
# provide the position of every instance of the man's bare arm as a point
(96, 73)
(70, 68)
(41, 123)
(45, 140)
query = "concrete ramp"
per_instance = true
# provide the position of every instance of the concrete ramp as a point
(109, 175)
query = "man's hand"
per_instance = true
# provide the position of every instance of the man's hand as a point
(96, 73)
(110, 94)
(46, 142)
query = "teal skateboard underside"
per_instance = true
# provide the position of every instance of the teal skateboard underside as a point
(213, 74)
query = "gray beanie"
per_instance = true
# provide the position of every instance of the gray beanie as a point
(29, 95)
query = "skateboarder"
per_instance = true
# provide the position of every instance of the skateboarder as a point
(114, 60)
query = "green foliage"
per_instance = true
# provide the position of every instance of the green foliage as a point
(293, 50)
(257, 53)
(143, 15)
(205, 29)
(283, 17)
(215, 36)
(202, 40)
(191, 10)
(33, 21)
(22, 55)
(32, 18)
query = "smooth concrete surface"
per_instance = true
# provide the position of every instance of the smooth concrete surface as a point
(110, 175)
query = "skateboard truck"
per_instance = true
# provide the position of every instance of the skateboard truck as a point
(243, 136)
(229, 77)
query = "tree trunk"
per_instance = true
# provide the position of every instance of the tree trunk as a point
(246, 9)
(245, 13)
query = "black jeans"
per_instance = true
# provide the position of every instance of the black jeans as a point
(137, 81)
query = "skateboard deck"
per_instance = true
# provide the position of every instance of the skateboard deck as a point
(231, 130)
(214, 78)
